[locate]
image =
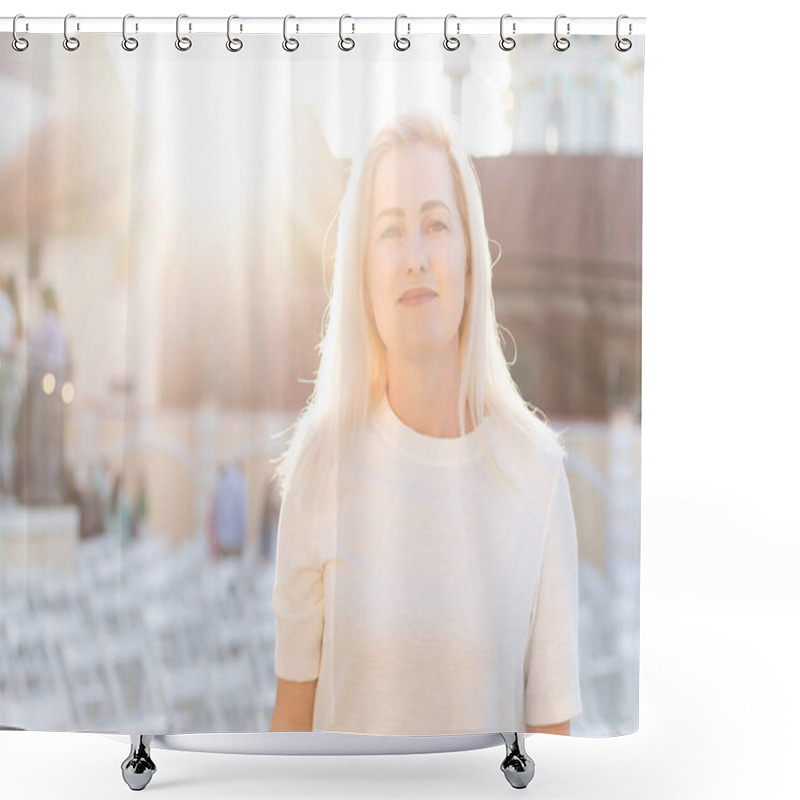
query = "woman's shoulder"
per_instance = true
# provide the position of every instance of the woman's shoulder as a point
(534, 442)
(313, 458)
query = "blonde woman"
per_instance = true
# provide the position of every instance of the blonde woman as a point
(426, 564)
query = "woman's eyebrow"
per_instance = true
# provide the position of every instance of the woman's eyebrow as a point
(398, 212)
(428, 204)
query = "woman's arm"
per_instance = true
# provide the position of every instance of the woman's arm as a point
(560, 728)
(294, 706)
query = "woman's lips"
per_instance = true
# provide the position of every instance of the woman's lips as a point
(416, 297)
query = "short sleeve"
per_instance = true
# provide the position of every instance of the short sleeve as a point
(552, 685)
(298, 598)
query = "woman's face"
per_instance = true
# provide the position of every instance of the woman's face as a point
(416, 256)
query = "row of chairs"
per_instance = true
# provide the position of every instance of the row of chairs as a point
(148, 638)
(609, 649)
(140, 638)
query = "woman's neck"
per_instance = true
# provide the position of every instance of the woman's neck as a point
(424, 395)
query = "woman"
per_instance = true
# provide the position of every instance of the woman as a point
(426, 565)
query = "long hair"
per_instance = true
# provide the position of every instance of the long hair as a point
(352, 374)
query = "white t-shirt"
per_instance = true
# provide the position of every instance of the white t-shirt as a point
(429, 597)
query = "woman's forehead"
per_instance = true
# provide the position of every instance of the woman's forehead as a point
(412, 172)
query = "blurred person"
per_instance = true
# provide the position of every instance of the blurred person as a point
(95, 500)
(120, 522)
(140, 510)
(230, 511)
(268, 529)
(426, 566)
(40, 432)
(12, 334)
(102, 489)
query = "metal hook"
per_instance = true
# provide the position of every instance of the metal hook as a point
(401, 43)
(70, 42)
(507, 42)
(623, 45)
(17, 42)
(129, 43)
(234, 45)
(346, 43)
(560, 40)
(181, 42)
(451, 42)
(290, 45)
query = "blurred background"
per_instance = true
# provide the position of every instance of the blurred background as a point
(167, 225)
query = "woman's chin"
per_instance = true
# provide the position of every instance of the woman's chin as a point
(420, 352)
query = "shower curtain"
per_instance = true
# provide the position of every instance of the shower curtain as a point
(321, 374)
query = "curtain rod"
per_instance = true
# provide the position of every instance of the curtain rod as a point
(602, 26)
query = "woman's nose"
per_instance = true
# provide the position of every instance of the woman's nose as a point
(416, 256)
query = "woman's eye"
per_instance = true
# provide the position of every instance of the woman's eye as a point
(394, 231)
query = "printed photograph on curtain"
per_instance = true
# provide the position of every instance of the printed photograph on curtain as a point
(321, 386)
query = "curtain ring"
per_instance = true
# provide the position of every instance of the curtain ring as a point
(623, 45)
(451, 42)
(346, 43)
(70, 42)
(401, 43)
(17, 42)
(507, 42)
(290, 45)
(129, 43)
(234, 45)
(181, 42)
(561, 43)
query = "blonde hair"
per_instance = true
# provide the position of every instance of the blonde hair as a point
(352, 375)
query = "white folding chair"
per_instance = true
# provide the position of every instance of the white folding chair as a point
(86, 672)
(176, 637)
(36, 694)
